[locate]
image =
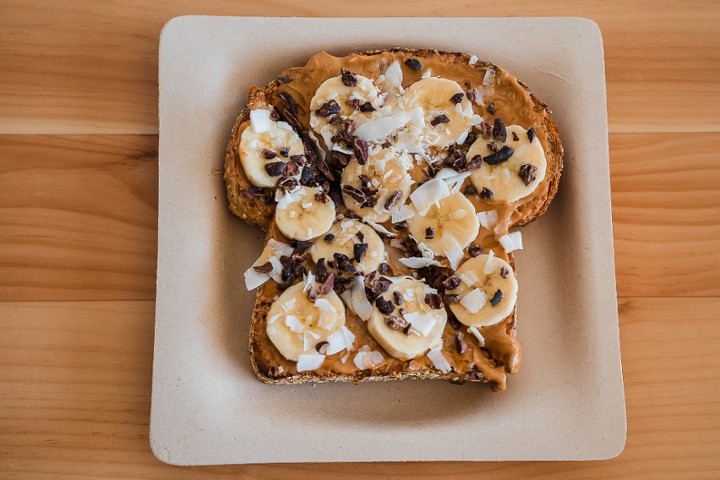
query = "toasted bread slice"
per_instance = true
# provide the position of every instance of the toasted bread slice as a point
(486, 357)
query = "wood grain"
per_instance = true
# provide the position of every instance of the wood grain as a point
(666, 214)
(78, 217)
(75, 390)
(91, 67)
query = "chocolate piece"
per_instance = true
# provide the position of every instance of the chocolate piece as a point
(460, 344)
(359, 251)
(385, 307)
(531, 134)
(475, 162)
(475, 250)
(502, 155)
(322, 347)
(429, 233)
(486, 193)
(397, 298)
(348, 78)
(328, 284)
(392, 200)
(527, 173)
(275, 169)
(453, 321)
(499, 132)
(397, 323)
(451, 283)
(355, 193)
(491, 108)
(360, 149)
(327, 109)
(442, 118)
(269, 154)
(264, 268)
(457, 98)
(343, 263)
(496, 298)
(414, 64)
(434, 300)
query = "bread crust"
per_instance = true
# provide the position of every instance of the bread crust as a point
(258, 209)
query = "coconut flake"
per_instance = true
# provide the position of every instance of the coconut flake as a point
(511, 241)
(439, 361)
(427, 73)
(474, 300)
(276, 272)
(294, 324)
(477, 335)
(348, 336)
(309, 281)
(452, 250)
(489, 74)
(260, 120)
(425, 251)
(420, 323)
(418, 262)
(393, 74)
(463, 136)
(309, 339)
(368, 359)
(468, 278)
(382, 127)
(357, 300)
(473, 60)
(428, 194)
(327, 313)
(405, 212)
(487, 269)
(311, 361)
(380, 228)
(488, 219)
(254, 279)
(336, 343)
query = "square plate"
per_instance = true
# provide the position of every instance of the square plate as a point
(566, 403)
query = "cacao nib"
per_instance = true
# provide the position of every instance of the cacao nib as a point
(474, 250)
(475, 162)
(450, 298)
(342, 284)
(355, 193)
(472, 95)
(384, 268)
(321, 271)
(312, 294)
(328, 284)
(329, 238)
(397, 298)
(453, 321)
(485, 130)
(442, 118)
(397, 323)
(367, 107)
(414, 64)
(429, 233)
(392, 200)
(491, 108)
(515, 137)
(360, 149)
(527, 173)
(434, 300)
(291, 169)
(275, 169)
(486, 193)
(348, 78)
(496, 298)
(285, 152)
(460, 344)
(531, 134)
(502, 155)
(287, 183)
(359, 251)
(504, 272)
(327, 109)
(269, 154)
(343, 263)
(457, 98)
(499, 132)
(385, 307)
(470, 190)
(264, 268)
(451, 283)
(300, 245)
(322, 347)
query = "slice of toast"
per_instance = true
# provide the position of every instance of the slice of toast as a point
(485, 353)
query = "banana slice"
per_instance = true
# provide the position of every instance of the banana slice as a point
(348, 96)
(517, 176)
(446, 109)
(265, 142)
(407, 330)
(447, 227)
(296, 325)
(302, 214)
(488, 291)
(347, 238)
(386, 174)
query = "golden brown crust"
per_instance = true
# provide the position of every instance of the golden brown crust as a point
(254, 210)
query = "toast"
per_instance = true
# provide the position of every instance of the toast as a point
(387, 182)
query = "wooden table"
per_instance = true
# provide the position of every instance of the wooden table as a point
(78, 211)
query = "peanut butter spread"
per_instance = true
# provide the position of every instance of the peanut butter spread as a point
(502, 97)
